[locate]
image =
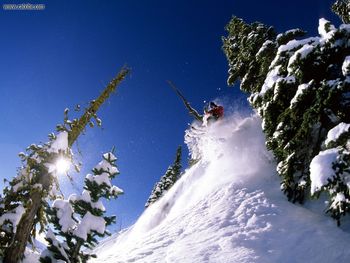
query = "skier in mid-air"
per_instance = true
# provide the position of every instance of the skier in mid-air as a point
(213, 113)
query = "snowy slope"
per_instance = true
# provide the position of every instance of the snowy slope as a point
(228, 208)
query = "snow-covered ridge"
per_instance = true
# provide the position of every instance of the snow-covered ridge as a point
(228, 208)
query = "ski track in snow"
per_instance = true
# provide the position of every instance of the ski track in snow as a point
(228, 208)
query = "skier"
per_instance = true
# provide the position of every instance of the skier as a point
(216, 112)
(213, 113)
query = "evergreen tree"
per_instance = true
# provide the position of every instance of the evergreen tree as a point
(29, 185)
(25, 199)
(342, 8)
(241, 46)
(81, 219)
(300, 88)
(167, 180)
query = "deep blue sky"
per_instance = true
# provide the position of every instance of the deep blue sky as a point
(64, 55)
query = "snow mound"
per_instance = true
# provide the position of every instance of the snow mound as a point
(228, 208)
(321, 168)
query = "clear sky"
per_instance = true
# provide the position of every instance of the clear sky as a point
(65, 54)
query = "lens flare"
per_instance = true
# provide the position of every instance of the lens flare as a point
(62, 165)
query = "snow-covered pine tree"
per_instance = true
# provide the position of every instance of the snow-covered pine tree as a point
(167, 180)
(29, 185)
(341, 8)
(24, 200)
(301, 90)
(81, 218)
(241, 46)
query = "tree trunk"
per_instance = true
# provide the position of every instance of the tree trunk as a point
(15, 252)
(95, 105)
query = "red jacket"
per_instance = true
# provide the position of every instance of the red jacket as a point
(217, 112)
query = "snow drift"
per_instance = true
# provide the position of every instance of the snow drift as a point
(228, 208)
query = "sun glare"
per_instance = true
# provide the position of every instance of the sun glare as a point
(62, 165)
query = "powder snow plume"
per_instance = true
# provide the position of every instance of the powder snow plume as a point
(228, 207)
